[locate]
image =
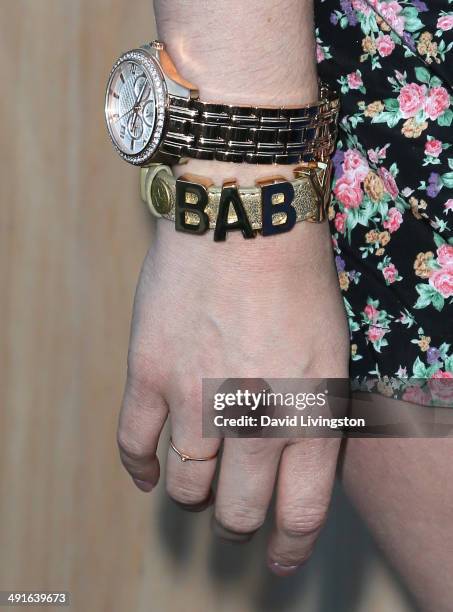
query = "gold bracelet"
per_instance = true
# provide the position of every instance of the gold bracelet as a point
(311, 188)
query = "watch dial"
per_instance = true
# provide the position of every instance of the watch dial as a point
(131, 106)
(135, 106)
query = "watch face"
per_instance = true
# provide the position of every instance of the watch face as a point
(135, 106)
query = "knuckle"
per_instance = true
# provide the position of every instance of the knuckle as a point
(305, 521)
(191, 404)
(185, 493)
(129, 445)
(256, 449)
(239, 518)
(192, 394)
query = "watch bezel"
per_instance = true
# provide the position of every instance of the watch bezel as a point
(157, 81)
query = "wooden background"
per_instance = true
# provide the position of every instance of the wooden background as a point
(73, 234)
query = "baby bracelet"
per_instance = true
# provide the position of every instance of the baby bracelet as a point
(271, 207)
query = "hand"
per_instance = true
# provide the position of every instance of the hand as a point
(268, 307)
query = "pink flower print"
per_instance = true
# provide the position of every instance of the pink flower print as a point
(437, 102)
(448, 206)
(375, 333)
(348, 191)
(442, 281)
(433, 147)
(319, 54)
(390, 11)
(355, 164)
(384, 45)
(355, 80)
(445, 22)
(445, 255)
(416, 395)
(340, 222)
(411, 99)
(394, 220)
(371, 312)
(390, 273)
(389, 182)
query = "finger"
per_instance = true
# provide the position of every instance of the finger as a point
(246, 482)
(189, 482)
(142, 417)
(305, 480)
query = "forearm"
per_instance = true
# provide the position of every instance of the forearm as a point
(255, 52)
(242, 52)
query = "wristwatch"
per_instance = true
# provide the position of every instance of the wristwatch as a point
(154, 115)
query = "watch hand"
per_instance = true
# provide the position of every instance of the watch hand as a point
(137, 101)
(124, 114)
(139, 97)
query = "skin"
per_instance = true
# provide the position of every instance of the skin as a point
(223, 326)
(240, 314)
(255, 309)
(403, 489)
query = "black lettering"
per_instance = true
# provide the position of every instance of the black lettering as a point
(230, 197)
(269, 209)
(193, 191)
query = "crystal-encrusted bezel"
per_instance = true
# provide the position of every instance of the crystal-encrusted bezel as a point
(154, 73)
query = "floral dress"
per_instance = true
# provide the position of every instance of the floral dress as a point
(391, 213)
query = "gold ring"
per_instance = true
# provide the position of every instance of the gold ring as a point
(185, 457)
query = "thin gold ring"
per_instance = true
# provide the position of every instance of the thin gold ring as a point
(185, 457)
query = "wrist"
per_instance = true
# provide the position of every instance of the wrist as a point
(250, 53)
(255, 53)
(306, 248)
(245, 174)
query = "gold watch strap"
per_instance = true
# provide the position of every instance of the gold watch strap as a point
(252, 134)
(311, 195)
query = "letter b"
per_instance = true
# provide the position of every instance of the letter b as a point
(199, 194)
(269, 209)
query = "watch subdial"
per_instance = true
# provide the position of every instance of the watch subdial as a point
(141, 88)
(149, 113)
(135, 126)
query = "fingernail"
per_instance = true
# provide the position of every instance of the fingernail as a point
(143, 485)
(282, 570)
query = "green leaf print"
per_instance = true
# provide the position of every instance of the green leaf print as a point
(412, 22)
(447, 179)
(419, 369)
(448, 364)
(426, 296)
(446, 119)
(438, 301)
(438, 240)
(423, 74)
